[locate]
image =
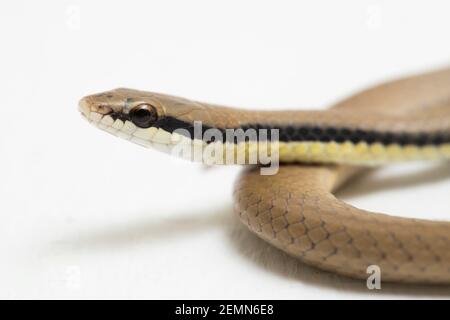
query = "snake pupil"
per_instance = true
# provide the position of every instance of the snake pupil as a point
(144, 115)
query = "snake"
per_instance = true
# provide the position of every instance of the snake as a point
(295, 208)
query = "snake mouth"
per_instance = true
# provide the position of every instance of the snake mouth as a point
(121, 126)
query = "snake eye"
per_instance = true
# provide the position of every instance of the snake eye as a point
(144, 115)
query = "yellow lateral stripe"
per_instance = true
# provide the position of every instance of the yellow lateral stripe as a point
(360, 153)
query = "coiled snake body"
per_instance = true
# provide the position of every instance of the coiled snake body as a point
(294, 209)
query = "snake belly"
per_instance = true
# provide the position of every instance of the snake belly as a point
(295, 210)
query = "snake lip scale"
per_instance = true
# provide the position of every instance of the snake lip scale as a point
(295, 210)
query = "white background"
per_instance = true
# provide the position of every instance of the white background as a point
(84, 215)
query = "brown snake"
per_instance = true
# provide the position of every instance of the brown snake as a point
(294, 209)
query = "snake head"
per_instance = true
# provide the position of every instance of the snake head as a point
(146, 118)
(140, 108)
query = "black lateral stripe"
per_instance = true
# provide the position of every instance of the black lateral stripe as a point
(303, 133)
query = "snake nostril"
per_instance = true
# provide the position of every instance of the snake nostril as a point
(102, 109)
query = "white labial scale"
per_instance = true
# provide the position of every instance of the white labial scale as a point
(107, 121)
(106, 124)
(162, 136)
(95, 117)
(118, 124)
(145, 134)
(128, 128)
(177, 138)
